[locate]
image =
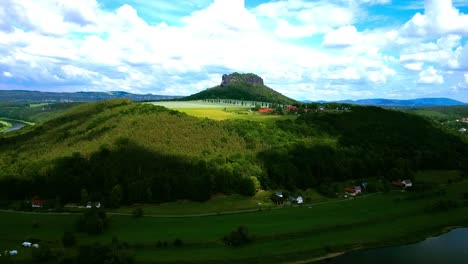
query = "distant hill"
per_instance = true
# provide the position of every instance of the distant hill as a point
(22, 96)
(248, 87)
(406, 103)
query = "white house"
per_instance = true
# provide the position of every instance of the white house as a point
(35, 245)
(26, 244)
(463, 130)
(407, 183)
(13, 252)
(300, 200)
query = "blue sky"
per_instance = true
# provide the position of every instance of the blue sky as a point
(305, 49)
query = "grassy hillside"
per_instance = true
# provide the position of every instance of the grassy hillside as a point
(242, 91)
(121, 152)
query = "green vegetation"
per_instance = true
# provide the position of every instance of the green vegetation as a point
(32, 113)
(118, 152)
(286, 234)
(4, 125)
(125, 156)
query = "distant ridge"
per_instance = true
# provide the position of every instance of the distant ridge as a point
(419, 102)
(36, 96)
(248, 87)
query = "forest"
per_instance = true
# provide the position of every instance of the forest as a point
(119, 152)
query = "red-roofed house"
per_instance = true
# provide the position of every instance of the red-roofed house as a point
(292, 108)
(37, 203)
(265, 110)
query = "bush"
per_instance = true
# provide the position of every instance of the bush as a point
(238, 237)
(137, 212)
(178, 242)
(41, 254)
(94, 221)
(68, 239)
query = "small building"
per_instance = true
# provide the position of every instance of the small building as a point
(266, 110)
(26, 244)
(300, 200)
(35, 245)
(407, 183)
(462, 130)
(13, 252)
(37, 203)
(397, 183)
(292, 108)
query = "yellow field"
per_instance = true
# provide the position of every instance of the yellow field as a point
(220, 111)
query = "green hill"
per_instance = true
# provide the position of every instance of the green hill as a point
(247, 87)
(146, 153)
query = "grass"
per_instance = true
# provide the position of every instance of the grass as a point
(4, 126)
(286, 234)
(218, 111)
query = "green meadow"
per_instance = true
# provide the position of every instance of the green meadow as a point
(281, 234)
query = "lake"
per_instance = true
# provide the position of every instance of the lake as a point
(451, 247)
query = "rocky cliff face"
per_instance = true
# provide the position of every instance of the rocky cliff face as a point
(237, 77)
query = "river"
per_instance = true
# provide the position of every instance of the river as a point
(451, 247)
(15, 126)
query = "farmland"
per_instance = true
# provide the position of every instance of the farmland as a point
(287, 234)
(219, 111)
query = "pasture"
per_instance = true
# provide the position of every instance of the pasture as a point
(287, 234)
(220, 111)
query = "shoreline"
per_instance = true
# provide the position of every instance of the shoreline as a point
(442, 231)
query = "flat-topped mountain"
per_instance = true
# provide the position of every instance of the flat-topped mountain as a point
(248, 87)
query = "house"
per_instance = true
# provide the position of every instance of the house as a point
(265, 110)
(300, 200)
(353, 191)
(35, 245)
(37, 203)
(278, 198)
(13, 252)
(292, 108)
(463, 130)
(397, 183)
(407, 183)
(26, 244)
(403, 184)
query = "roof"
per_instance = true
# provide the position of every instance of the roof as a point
(397, 183)
(265, 110)
(292, 107)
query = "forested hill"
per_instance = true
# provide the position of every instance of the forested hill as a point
(21, 96)
(146, 153)
(248, 87)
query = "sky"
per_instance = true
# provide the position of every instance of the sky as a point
(305, 49)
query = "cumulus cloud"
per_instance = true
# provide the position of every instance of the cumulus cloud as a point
(440, 17)
(342, 37)
(416, 66)
(304, 49)
(466, 78)
(299, 18)
(430, 76)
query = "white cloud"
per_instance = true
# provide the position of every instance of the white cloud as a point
(342, 37)
(443, 52)
(430, 76)
(440, 17)
(7, 74)
(299, 18)
(90, 48)
(416, 66)
(466, 78)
